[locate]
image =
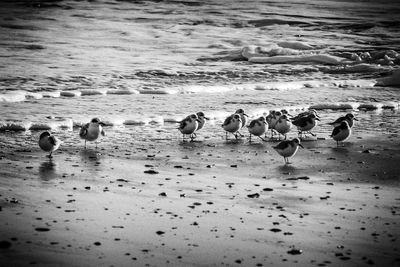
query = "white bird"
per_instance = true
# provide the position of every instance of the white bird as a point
(288, 148)
(306, 123)
(349, 117)
(91, 131)
(49, 143)
(283, 125)
(258, 127)
(188, 126)
(232, 124)
(342, 132)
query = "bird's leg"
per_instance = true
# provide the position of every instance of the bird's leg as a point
(285, 136)
(85, 144)
(50, 156)
(250, 139)
(226, 135)
(192, 137)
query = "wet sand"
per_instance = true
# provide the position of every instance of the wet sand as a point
(211, 202)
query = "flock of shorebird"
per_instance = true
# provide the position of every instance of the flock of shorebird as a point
(278, 122)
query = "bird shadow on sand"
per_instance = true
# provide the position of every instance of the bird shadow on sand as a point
(47, 170)
(288, 168)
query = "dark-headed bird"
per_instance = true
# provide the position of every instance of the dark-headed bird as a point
(349, 117)
(342, 132)
(306, 123)
(288, 148)
(49, 143)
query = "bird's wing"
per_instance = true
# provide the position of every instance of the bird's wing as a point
(282, 145)
(339, 120)
(335, 131)
(84, 130)
(182, 124)
(252, 124)
(227, 121)
(52, 140)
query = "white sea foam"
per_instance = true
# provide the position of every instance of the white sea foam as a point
(93, 92)
(320, 58)
(13, 96)
(335, 106)
(122, 92)
(14, 126)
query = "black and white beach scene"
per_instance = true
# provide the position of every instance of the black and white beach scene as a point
(200, 133)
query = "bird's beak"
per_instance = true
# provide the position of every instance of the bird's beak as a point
(245, 114)
(198, 120)
(316, 118)
(355, 119)
(102, 123)
(300, 145)
(207, 118)
(316, 115)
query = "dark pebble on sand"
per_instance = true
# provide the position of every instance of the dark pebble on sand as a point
(97, 243)
(295, 251)
(5, 244)
(162, 194)
(367, 151)
(87, 187)
(255, 195)
(234, 166)
(160, 232)
(268, 189)
(275, 230)
(42, 229)
(151, 172)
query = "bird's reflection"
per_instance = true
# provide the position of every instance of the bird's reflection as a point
(47, 170)
(91, 155)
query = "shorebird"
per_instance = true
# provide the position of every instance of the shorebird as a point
(306, 123)
(272, 119)
(202, 120)
(283, 125)
(258, 127)
(49, 143)
(243, 116)
(349, 117)
(288, 148)
(341, 132)
(305, 114)
(91, 131)
(188, 126)
(232, 124)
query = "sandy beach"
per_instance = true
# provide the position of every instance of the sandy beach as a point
(205, 203)
(143, 197)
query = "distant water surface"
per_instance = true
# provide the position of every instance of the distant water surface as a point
(151, 62)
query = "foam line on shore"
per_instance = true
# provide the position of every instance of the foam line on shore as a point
(54, 124)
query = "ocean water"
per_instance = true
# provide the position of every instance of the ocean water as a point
(141, 66)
